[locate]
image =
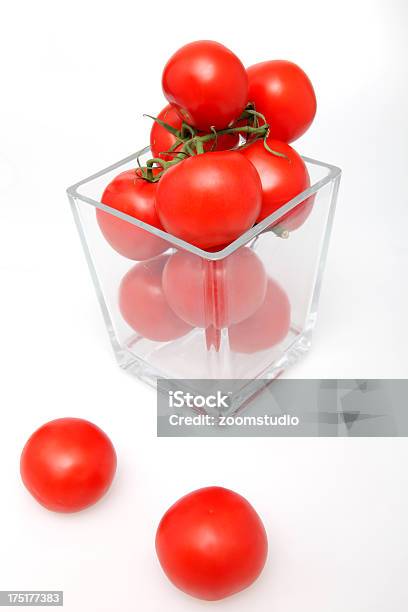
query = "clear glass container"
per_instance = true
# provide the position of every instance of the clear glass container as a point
(245, 312)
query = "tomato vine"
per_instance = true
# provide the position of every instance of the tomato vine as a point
(190, 143)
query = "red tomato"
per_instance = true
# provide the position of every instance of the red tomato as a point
(210, 199)
(283, 93)
(218, 293)
(143, 305)
(211, 543)
(132, 195)
(207, 84)
(268, 326)
(282, 179)
(162, 140)
(68, 464)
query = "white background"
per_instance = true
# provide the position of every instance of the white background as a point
(75, 80)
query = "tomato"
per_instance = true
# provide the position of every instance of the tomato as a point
(162, 140)
(210, 199)
(68, 464)
(282, 179)
(283, 93)
(207, 84)
(218, 293)
(132, 195)
(268, 326)
(143, 305)
(211, 543)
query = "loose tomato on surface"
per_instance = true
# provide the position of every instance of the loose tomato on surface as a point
(143, 305)
(68, 464)
(211, 543)
(161, 140)
(210, 199)
(283, 93)
(217, 293)
(132, 195)
(268, 326)
(207, 84)
(282, 179)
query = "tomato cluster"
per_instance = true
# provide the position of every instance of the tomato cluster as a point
(164, 298)
(221, 155)
(221, 163)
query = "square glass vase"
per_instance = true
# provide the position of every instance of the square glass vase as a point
(245, 312)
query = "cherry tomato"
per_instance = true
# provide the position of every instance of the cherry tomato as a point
(207, 84)
(283, 93)
(218, 293)
(162, 140)
(268, 326)
(210, 199)
(143, 305)
(211, 543)
(68, 464)
(132, 195)
(282, 179)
